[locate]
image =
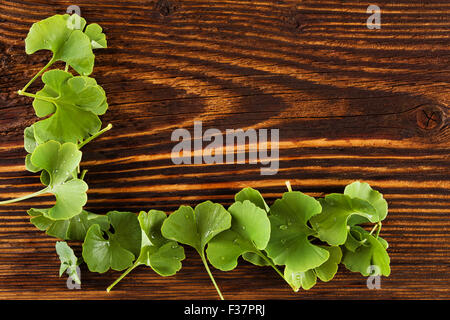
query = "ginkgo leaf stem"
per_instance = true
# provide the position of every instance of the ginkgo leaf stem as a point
(263, 256)
(28, 196)
(31, 95)
(378, 230)
(52, 60)
(374, 228)
(83, 174)
(85, 142)
(288, 186)
(211, 276)
(123, 275)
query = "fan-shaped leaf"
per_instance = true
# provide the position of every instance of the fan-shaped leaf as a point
(162, 255)
(73, 104)
(65, 39)
(365, 192)
(289, 242)
(249, 232)
(115, 248)
(324, 272)
(370, 256)
(59, 161)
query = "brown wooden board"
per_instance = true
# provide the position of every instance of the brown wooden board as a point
(351, 103)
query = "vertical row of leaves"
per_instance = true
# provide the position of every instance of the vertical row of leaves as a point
(69, 106)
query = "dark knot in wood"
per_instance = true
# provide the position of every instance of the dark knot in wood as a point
(429, 117)
(166, 7)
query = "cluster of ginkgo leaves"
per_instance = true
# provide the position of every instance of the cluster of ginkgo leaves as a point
(306, 238)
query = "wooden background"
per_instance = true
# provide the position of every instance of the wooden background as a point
(351, 104)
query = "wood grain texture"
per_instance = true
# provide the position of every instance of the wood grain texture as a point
(351, 104)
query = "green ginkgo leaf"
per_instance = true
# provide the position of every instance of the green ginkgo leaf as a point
(365, 192)
(69, 262)
(253, 196)
(115, 248)
(249, 232)
(59, 161)
(162, 255)
(72, 105)
(332, 224)
(64, 36)
(197, 227)
(370, 258)
(96, 35)
(289, 243)
(324, 272)
(74, 228)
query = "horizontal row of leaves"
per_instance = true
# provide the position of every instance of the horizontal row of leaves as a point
(309, 237)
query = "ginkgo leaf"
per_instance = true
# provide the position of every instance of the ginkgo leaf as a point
(289, 241)
(370, 258)
(59, 161)
(249, 232)
(72, 104)
(365, 192)
(65, 39)
(74, 228)
(96, 35)
(253, 196)
(332, 223)
(197, 227)
(69, 262)
(162, 255)
(324, 272)
(115, 248)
